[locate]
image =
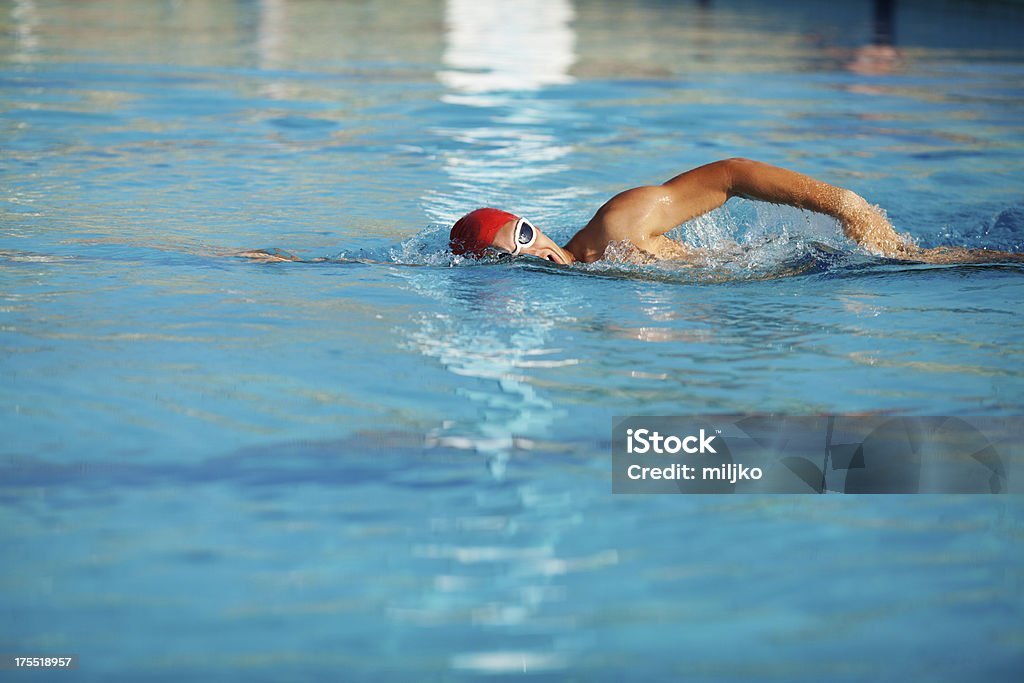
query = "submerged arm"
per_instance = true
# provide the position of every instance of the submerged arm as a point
(267, 255)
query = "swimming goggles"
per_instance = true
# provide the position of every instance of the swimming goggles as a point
(523, 237)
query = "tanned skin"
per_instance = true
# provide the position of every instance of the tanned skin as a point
(643, 215)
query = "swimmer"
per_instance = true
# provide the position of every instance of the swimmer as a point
(640, 217)
(635, 221)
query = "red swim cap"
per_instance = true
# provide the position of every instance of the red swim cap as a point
(475, 231)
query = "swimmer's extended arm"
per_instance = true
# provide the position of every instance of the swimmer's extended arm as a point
(645, 213)
(266, 255)
(861, 221)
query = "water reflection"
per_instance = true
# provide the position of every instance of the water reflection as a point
(271, 46)
(498, 59)
(499, 338)
(494, 334)
(271, 33)
(881, 56)
(494, 47)
(25, 17)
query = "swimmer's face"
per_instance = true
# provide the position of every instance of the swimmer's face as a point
(519, 236)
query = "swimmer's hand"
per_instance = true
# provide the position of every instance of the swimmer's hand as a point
(867, 226)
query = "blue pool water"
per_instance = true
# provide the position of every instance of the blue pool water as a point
(393, 464)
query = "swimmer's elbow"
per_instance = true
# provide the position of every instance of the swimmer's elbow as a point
(739, 162)
(736, 175)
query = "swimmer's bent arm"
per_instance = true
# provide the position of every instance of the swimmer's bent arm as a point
(861, 222)
(644, 213)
